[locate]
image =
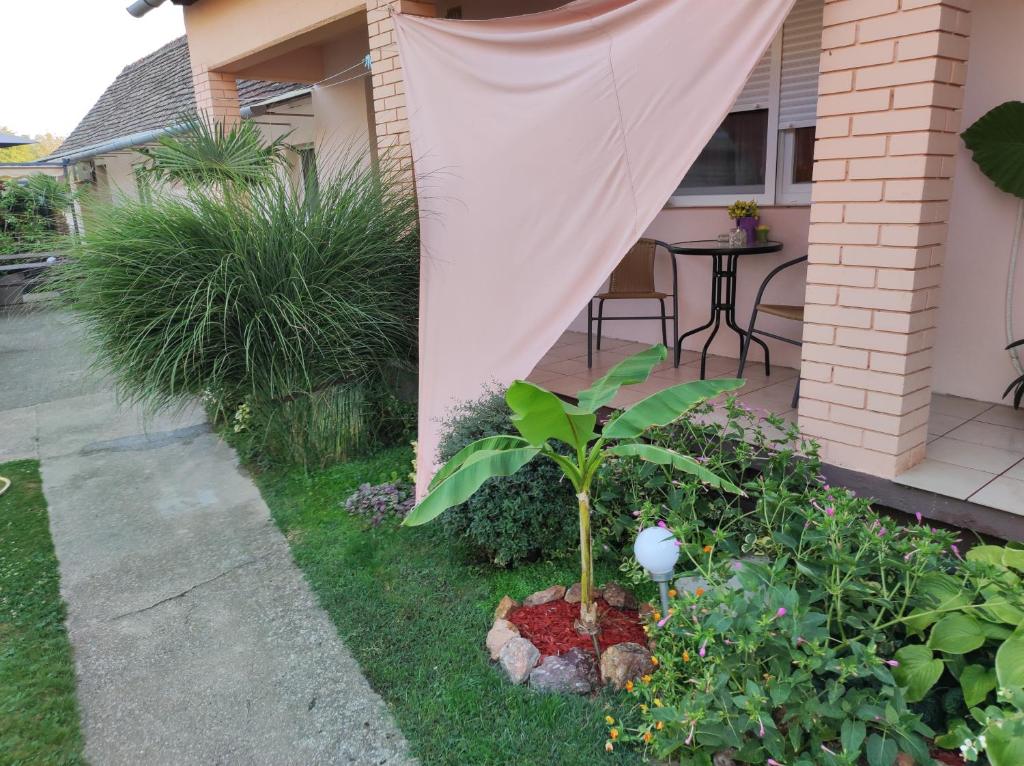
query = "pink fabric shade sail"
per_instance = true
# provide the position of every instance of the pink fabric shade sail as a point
(544, 147)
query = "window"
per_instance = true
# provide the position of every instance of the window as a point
(764, 149)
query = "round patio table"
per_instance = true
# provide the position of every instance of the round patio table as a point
(725, 260)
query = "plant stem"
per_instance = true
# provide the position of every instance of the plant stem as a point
(588, 609)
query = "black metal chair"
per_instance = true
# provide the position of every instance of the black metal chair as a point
(784, 311)
(633, 279)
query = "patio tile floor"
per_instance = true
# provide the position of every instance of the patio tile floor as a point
(975, 453)
(975, 449)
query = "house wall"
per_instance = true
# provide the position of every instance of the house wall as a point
(969, 356)
(341, 122)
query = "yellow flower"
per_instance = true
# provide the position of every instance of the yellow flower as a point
(614, 734)
(629, 686)
(648, 736)
(654, 661)
(659, 725)
(656, 615)
(686, 656)
(608, 746)
(657, 702)
(646, 679)
(672, 593)
(609, 720)
(643, 708)
(707, 549)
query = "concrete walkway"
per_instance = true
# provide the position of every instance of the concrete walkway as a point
(197, 640)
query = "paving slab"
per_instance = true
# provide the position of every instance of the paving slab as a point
(197, 640)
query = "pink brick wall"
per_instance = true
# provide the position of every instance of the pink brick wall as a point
(387, 81)
(216, 95)
(892, 74)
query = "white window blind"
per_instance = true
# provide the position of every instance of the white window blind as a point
(801, 50)
(757, 92)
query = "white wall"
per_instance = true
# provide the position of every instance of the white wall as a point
(341, 122)
(969, 356)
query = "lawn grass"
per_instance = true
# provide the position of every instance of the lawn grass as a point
(38, 709)
(414, 610)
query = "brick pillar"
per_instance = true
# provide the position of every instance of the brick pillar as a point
(216, 95)
(392, 127)
(891, 85)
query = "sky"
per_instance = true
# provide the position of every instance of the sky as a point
(60, 55)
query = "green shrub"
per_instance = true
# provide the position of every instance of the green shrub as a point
(527, 516)
(304, 308)
(30, 213)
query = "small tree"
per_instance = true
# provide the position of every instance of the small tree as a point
(541, 417)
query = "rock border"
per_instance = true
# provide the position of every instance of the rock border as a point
(575, 671)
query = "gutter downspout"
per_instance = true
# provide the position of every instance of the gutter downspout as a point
(125, 142)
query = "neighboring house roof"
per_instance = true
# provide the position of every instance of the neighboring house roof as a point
(9, 139)
(151, 94)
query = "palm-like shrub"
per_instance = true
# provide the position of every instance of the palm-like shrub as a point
(266, 296)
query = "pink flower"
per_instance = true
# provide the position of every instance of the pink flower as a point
(830, 511)
(663, 525)
(703, 649)
(892, 663)
(956, 551)
(826, 487)
(918, 516)
(830, 752)
(689, 739)
(760, 732)
(636, 514)
(773, 762)
(882, 531)
(781, 612)
(663, 620)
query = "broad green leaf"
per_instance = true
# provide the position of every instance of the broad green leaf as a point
(1010, 660)
(881, 751)
(679, 462)
(956, 633)
(665, 406)
(852, 737)
(918, 670)
(630, 371)
(540, 416)
(1013, 557)
(989, 554)
(997, 142)
(1004, 742)
(976, 682)
(998, 604)
(460, 485)
(487, 443)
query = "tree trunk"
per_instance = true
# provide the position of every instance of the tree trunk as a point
(588, 609)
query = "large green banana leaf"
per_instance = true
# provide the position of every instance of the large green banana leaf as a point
(460, 485)
(541, 416)
(501, 442)
(666, 406)
(662, 456)
(628, 372)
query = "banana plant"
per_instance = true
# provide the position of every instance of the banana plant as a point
(542, 419)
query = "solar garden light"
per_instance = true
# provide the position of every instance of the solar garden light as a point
(657, 550)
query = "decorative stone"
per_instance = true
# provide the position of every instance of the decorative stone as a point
(646, 609)
(574, 593)
(905, 759)
(545, 596)
(585, 664)
(517, 658)
(505, 606)
(618, 596)
(499, 635)
(557, 674)
(625, 662)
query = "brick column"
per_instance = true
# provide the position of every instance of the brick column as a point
(891, 85)
(216, 95)
(392, 127)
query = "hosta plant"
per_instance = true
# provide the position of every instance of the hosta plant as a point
(974, 623)
(543, 419)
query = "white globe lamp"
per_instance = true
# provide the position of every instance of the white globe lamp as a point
(657, 550)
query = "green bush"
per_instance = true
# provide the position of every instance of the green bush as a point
(302, 307)
(30, 213)
(527, 516)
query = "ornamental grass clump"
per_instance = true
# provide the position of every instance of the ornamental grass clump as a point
(301, 306)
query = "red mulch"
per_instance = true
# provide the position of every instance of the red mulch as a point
(550, 626)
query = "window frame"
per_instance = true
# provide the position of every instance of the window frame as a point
(778, 190)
